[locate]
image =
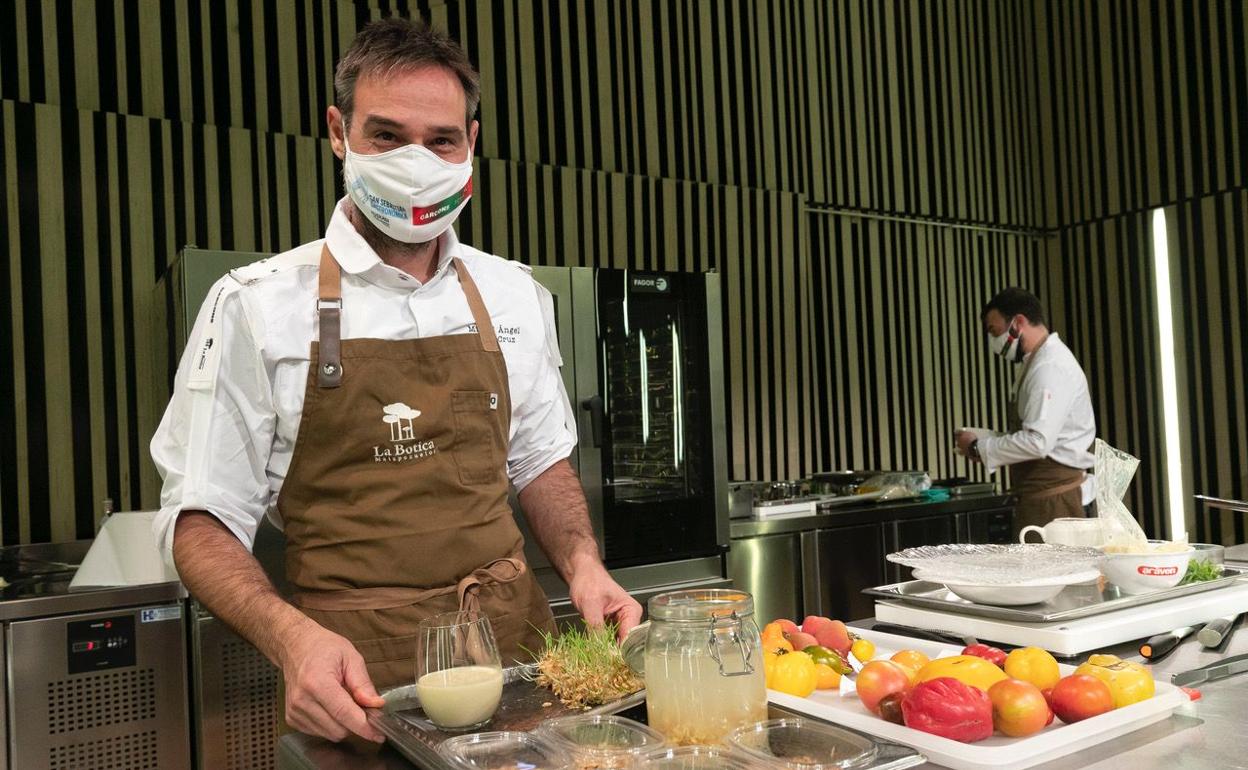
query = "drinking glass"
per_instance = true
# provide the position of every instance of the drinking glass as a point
(459, 678)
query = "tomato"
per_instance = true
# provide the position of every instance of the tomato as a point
(772, 644)
(911, 659)
(1128, 682)
(969, 669)
(827, 678)
(862, 649)
(878, 679)
(949, 708)
(829, 658)
(890, 708)
(1018, 708)
(769, 665)
(1079, 696)
(991, 654)
(829, 633)
(794, 674)
(1032, 664)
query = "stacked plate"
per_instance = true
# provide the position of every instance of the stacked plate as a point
(1002, 575)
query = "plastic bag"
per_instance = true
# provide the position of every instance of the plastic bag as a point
(896, 486)
(1114, 471)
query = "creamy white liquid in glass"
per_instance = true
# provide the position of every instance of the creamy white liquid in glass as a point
(460, 697)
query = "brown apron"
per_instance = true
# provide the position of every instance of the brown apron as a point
(1044, 489)
(395, 504)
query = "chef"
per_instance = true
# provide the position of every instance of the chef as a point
(1051, 423)
(359, 391)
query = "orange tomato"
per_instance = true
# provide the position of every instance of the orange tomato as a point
(828, 678)
(911, 659)
(967, 669)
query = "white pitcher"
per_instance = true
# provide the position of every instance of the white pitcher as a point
(1068, 531)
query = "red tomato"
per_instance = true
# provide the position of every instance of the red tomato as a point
(878, 679)
(1018, 708)
(950, 709)
(1080, 696)
(991, 654)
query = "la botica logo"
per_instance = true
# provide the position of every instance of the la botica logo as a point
(404, 445)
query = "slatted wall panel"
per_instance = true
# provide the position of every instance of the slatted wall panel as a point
(900, 357)
(674, 133)
(1213, 300)
(1146, 103)
(1104, 308)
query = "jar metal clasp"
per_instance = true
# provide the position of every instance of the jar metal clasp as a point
(730, 648)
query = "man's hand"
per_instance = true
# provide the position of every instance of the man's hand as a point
(327, 686)
(964, 439)
(599, 598)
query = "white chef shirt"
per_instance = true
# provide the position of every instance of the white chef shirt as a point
(226, 439)
(1057, 418)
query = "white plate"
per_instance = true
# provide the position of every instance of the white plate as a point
(1014, 594)
(996, 753)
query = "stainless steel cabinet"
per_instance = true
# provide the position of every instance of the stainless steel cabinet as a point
(908, 533)
(770, 568)
(992, 526)
(836, 565)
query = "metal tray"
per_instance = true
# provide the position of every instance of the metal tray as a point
(522, 708)
(1078, 601)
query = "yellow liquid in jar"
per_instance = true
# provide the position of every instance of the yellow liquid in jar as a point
(690, 702)
(460, 697)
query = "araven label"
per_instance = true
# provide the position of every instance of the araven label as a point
(1144, 569)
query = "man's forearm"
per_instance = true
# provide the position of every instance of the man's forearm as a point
(220, 572)
(559, 517)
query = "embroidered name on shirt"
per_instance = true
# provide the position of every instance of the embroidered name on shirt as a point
(404, 445)
(508, 334)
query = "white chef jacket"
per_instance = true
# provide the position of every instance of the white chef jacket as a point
(226, 439)
(1057, 417)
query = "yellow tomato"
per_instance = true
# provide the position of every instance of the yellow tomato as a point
(769, 665)
(827, 678)
(911, 659)
(772, 645)
(863, 650)
(967, 669)
(1034, 665)
(795, 674)
(1128, 682)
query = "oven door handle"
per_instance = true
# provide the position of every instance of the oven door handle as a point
(593, 405)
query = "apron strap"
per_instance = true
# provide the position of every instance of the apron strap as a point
(329, 320)
(485, 327)
(497, 572)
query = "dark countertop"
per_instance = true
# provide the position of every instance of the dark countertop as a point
(866, 513)
(1204, 734)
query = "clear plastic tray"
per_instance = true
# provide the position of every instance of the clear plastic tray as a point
(695, 758)
(604, 741)
(802, 744)
(989, 564)
(493, 750)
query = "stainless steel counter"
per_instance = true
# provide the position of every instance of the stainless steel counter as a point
(865, 513)
(1209, 733)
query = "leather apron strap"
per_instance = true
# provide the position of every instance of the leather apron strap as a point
(480, 316)
(329, 318)
(498, 572)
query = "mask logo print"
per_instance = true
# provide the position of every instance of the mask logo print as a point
(404, 445)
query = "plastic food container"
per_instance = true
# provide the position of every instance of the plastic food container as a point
(499, 750)
(803, 745)
(601, 742)
(695, 758)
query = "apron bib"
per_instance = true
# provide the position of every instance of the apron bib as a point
(395, 504)
(1044, 489)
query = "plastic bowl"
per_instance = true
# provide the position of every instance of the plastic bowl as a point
(491, 750)
(800, 744)
(1140, 573)
(695, 758)
(603, 741)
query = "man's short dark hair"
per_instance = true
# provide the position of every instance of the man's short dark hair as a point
(1015, 301)
(392, 45)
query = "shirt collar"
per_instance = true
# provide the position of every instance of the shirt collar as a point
(356, 257)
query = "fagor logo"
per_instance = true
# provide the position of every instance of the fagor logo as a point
(650, 283)
(1144, 569)
(404, 444)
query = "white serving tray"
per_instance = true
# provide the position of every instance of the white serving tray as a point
(1079, 635)
(996, 753)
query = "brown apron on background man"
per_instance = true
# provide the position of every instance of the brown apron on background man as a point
(395, 503)
(1044, 489)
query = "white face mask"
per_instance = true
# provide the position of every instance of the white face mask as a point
(1007, 344)
(410, 193)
